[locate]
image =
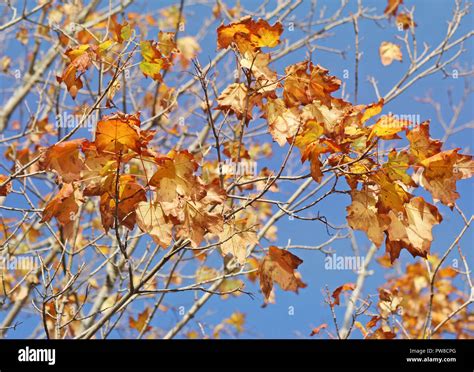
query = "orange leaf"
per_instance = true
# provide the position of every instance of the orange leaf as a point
(337, 292)
(140, 323)
(234, 99)
(305, 83)
(80, 60)
(279, 266)
(387, 127)
(248, 34)
(64, 158)
(372, 110)
(64, 206)
(412, 229)
(118, 133)
(130, 193)
(316, 330)
(392, 7)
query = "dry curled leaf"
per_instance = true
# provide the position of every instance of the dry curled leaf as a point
(343, 288)
(279, 266)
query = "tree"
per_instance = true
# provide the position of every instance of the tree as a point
(132, 170)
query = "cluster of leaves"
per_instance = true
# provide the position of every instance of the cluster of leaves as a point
(404, 301)
(179, 205)
(181, 196)
(169, 201)
(302, 111)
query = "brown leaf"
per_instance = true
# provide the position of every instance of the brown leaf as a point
(64, 206)
(5, 189)
(337, 292)
(80, 59)
(279, 266)
(64, 158)
(234, 99)
(363, 215)
(316, 330)
(412, 229)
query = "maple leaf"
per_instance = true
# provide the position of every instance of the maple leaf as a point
(186, 198)
(64, 158)
(389, 303)
(305, 83)
(283, 122)
(321, 85)
(130, 193)
(279, 266)
(412, 229)
(388, 52)
(152, 220)
(80, 59)
(392, 195)
(437, 171)
(175, 178)
(387, 127)
(421, 145)
(97, 168)
(236, 237)
(337, 292)
(372, 110)
(197, 221)
(167, 43)
(153, 61)
(237, 320)
(338, 120)
(248, 34)
(120, 31)
(140, 323)
(441, 171)
(64, 207)
(234, 99)
(311, 143)
(257, 63)
(363, 215)
(310, 133)
(118, 133)
(396, 167)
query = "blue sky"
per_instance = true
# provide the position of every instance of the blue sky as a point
(274, 320)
